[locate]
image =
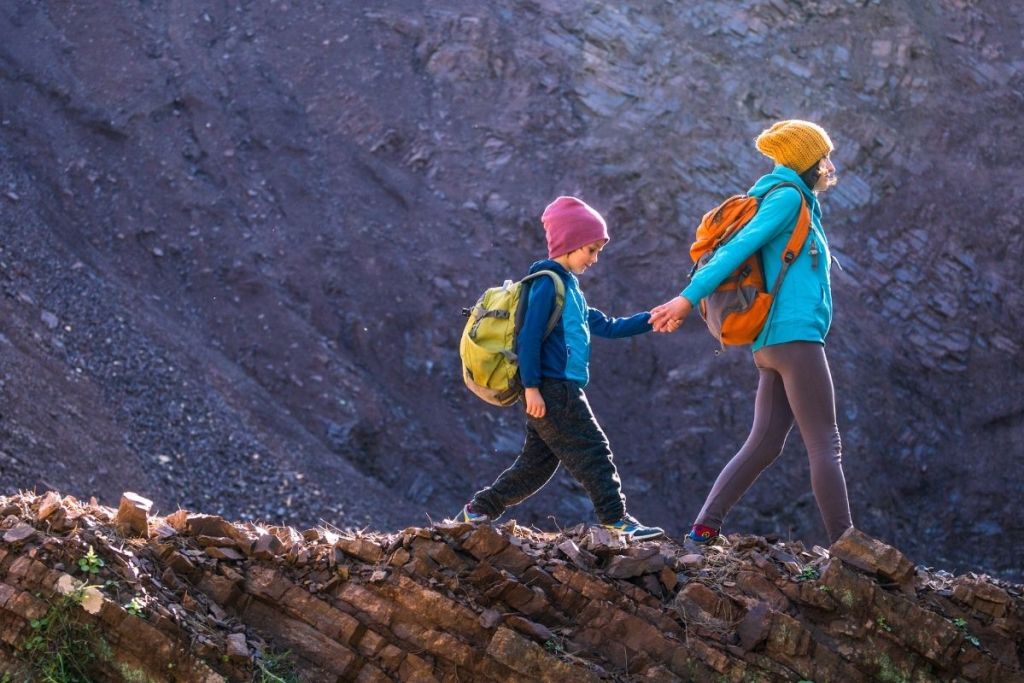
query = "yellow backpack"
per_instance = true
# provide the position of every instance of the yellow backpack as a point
(490, 366)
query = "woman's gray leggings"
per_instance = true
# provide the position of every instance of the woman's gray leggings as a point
(795, 382)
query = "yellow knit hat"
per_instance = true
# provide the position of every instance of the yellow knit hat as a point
(794, 143)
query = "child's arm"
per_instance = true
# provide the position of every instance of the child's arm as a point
(604, 326)
(539, 302)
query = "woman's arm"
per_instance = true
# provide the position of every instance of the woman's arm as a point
(778, 213)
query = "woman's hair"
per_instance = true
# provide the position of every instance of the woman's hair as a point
(811, 175)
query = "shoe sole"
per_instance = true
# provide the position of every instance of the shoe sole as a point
(466, 520)
(634, 535)
(710, 541)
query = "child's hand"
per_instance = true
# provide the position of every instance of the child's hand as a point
(534, 403)
(669, 316)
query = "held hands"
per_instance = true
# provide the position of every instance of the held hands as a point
(669, 316)
(534, 402)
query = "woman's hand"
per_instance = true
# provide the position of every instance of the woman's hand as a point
(534, 403)
(669, 316)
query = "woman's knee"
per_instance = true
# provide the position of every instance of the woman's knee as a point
(827, 445)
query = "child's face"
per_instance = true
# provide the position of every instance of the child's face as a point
(579, 260)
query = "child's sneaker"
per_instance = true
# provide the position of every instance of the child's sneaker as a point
(703, 534)
(629, 526)
(467, 514)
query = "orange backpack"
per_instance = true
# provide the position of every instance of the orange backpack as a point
(738, 309)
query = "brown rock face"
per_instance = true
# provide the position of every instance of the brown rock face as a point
(133, 515)
(235, 239)
(868, 554)
(404, 616)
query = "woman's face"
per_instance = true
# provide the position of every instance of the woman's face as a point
(826, 175)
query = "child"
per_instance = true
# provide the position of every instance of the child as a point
(560, 426)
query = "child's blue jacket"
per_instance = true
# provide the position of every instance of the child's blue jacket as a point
(803, 308)
(565, 354)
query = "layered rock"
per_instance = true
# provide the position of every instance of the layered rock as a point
(235, 238)
(204, 599)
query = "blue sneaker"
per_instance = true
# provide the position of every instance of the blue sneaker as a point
(630, 527)
(467, 514)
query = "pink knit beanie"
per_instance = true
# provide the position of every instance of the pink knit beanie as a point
(570, 224)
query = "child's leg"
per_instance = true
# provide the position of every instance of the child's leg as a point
(533, 468)
(773, 420)
(805, 371)
(572, 433)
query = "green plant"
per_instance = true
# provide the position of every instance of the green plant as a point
(275, 667)
(60, 649)
(808, 574)
(91, 563)
(131, 675)
(136, 607)
(883, 624)
(553, 646)
(889, 672)
(961, 625)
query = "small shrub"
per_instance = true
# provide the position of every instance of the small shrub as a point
(136, 608)
(60, 649)
(808, 574)
(91, 563)
(961, 625)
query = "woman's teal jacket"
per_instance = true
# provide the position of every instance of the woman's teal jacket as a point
(803, 308)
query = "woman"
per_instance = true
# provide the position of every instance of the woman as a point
(794, 379)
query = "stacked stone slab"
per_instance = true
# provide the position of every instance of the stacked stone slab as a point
(455, 602)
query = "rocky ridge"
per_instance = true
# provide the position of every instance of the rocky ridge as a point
(194, 597)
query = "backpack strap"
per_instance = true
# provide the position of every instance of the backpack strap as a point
(796, 239)
(793, 246)
(556, 311)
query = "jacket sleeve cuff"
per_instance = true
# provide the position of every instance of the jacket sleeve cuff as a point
(691, 295)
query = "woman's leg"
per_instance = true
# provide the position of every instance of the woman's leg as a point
(773, 420)
(805, 372)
